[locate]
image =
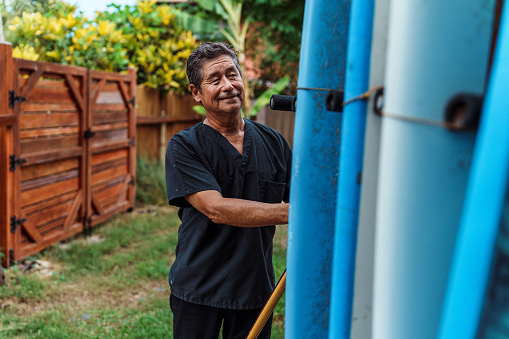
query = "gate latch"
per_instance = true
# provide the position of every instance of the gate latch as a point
(88, 134)
(15, 222)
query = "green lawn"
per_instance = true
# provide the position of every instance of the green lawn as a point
(111, 284)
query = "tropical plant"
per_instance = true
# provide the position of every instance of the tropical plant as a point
(145, 36)
(273, 43)
(238, 25)
(155, 43)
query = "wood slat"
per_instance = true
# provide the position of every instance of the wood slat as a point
(46, 216)
(109, 174)
(49, 106)
(122, 196)
(45, 157)
(28, 249)
(47, 192)
(55, 144)
(73, 210)
(44, 94)
(109, 164)
(109, 98)
(56, 226)
(109, 136)
(40, 133)
(106, 108)
(49, 69)
(75, 92)
(110, 146)
(30, 83)
(97, 205)
(41, 120)
(42, 170)
(109, 156)
(103, 185)
(110, 127)
(98, 88)
(109, 117)
(111, 192)
(29, 228)
(41, 205)
(44, 181)
(125, 94)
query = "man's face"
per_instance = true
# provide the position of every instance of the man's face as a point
(222, 89)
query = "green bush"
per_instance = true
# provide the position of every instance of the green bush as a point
(145, 36)
(150, 182)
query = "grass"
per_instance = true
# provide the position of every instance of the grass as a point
(110, 284)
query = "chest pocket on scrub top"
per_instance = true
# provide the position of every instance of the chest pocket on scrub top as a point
(272, 192)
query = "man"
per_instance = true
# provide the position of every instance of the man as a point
(229, 176)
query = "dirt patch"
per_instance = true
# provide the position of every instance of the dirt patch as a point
(73, 299)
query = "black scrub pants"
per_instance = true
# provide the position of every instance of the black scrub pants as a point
(192, 321)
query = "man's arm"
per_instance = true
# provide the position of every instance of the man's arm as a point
(238, 212)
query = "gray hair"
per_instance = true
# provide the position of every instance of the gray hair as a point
(206, 52)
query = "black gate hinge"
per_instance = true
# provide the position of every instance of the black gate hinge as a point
(15, 222)
(133, 101)
(132, 181)
(132, 142)
(13, 162)
(13, 98)
(88, 134)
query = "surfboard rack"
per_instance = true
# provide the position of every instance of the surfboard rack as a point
(463, 111)
(283, 102)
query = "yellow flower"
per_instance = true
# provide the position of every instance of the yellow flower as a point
(69, 21)
(55, 26)
(165, 14)
(145, 6)
(53, 55)
(25, 52)
(105, 27)
(80, 33)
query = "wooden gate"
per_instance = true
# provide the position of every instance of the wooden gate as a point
(49, 186)
(112, 155)
(71, 132)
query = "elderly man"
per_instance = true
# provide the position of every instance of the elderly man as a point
(230, 177)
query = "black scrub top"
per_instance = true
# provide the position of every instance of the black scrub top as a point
(220, 265)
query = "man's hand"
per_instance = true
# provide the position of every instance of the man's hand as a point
(238, 212)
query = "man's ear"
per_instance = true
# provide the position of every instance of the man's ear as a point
(196, 93)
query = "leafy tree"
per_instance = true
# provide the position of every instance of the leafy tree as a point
(273, 43)
(155, 43)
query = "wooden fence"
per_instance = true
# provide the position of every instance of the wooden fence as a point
(67, 151)
(159, 117)
(281, 121)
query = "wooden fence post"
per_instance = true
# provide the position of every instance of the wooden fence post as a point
(132, 135)
(7, 122)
